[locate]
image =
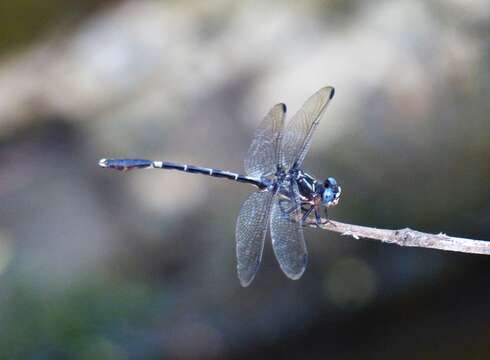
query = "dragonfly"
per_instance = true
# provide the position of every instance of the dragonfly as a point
(286, 197)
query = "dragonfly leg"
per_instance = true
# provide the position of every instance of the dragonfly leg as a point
(307, 213)
(283, 204)
(318, 218)
(327, 219)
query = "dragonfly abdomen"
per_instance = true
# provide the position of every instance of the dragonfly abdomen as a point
(129, 164)
(218, 173)
(125, 164)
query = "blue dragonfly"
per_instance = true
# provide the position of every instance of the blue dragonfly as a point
(286, 196)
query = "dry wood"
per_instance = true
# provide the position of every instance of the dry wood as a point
(409, 237)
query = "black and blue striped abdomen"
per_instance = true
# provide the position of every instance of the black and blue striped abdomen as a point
(129, 164)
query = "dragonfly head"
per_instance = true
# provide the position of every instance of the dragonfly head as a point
(331, 192)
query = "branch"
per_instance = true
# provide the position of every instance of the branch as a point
(409, 237)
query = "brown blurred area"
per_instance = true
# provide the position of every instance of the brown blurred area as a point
(102, 265)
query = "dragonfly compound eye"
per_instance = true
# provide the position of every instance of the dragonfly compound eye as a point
(331, 193)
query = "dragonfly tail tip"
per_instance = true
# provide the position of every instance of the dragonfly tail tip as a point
(103, 163)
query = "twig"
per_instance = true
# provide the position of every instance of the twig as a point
(409, 237)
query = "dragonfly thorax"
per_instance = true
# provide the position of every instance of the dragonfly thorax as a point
(308, 186)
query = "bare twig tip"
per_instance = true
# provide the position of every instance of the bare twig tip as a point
(409, 237)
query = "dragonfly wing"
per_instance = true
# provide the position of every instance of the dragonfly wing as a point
(250, 232)
(263, 155)
(298, 132)
(287, 233)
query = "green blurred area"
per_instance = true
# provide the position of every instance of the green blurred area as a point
(76, 322)
(22, 22)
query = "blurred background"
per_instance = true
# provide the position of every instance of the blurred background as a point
(96, 264)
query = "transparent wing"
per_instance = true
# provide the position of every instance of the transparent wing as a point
(298, 132)
(263, 155)
(250, 231)
(287, 232)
